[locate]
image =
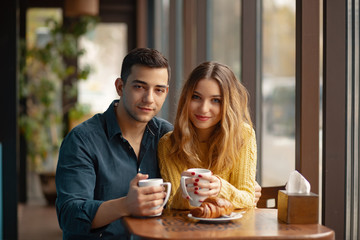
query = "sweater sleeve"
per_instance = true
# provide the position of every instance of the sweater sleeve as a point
(240, 187)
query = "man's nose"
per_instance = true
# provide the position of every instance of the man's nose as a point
(149, 96)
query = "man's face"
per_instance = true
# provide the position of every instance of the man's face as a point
(144, 92)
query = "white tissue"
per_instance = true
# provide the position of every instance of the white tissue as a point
(297, 184)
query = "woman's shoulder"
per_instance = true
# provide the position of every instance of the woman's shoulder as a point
(248, 130)
(165, 140)
(163, 150)
(166, 136)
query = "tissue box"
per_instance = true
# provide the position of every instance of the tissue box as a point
(298, 208)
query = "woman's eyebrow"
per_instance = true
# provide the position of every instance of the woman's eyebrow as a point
(217, 96)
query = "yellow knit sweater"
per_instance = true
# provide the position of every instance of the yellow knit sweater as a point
(237, 185)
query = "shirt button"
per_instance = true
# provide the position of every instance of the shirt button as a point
(100, 235)
(139, 170)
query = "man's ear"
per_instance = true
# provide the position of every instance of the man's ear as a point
(119, 85)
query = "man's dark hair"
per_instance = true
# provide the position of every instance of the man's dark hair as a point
(146, 57)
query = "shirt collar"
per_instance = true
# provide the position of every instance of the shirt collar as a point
(153, 127)
(112, 125)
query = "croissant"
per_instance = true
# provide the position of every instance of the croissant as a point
(213, 207)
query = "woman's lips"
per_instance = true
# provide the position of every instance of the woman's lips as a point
(202, 118)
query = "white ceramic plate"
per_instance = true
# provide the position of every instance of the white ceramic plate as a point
(233, 216)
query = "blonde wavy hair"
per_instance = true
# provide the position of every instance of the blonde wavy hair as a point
(227, 138)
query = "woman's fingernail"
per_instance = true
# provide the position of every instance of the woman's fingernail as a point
(196, 188)
(195, 184)
(196, 192)
(187, 197)
(200, 175)
(196, 180)
(193, 173)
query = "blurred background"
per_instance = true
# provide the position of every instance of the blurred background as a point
(70, 53)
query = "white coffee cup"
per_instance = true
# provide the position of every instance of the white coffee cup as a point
(157, 182)
(195, 200)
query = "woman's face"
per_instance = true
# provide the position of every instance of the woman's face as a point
(205, 105)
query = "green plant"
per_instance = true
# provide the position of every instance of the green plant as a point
(43, 72)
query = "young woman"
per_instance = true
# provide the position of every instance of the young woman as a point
(212, 130)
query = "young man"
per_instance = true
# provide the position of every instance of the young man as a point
(102, 159)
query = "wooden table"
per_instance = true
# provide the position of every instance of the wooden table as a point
(255, 224)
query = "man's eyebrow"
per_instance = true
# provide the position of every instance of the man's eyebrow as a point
(162, 86)
(139, 82)
(145, 83)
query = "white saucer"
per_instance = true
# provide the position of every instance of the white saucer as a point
(233, 216)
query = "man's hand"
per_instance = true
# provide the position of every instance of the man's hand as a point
(138, 202)
(257, 192)
(141, 200)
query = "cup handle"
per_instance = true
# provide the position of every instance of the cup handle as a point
(183, 186)
(168, 191)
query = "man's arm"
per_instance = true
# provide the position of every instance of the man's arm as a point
(138, 202)
(77, 209)
(75, 182)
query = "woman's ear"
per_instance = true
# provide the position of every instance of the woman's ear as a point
(119, 84)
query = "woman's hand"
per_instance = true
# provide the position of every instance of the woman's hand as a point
(257, 193)
(210, 187)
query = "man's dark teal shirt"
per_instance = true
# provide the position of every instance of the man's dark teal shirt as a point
(96, 164)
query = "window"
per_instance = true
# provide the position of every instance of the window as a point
(278, 92)
(224, 37)
(36, 24)
(105, 48)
